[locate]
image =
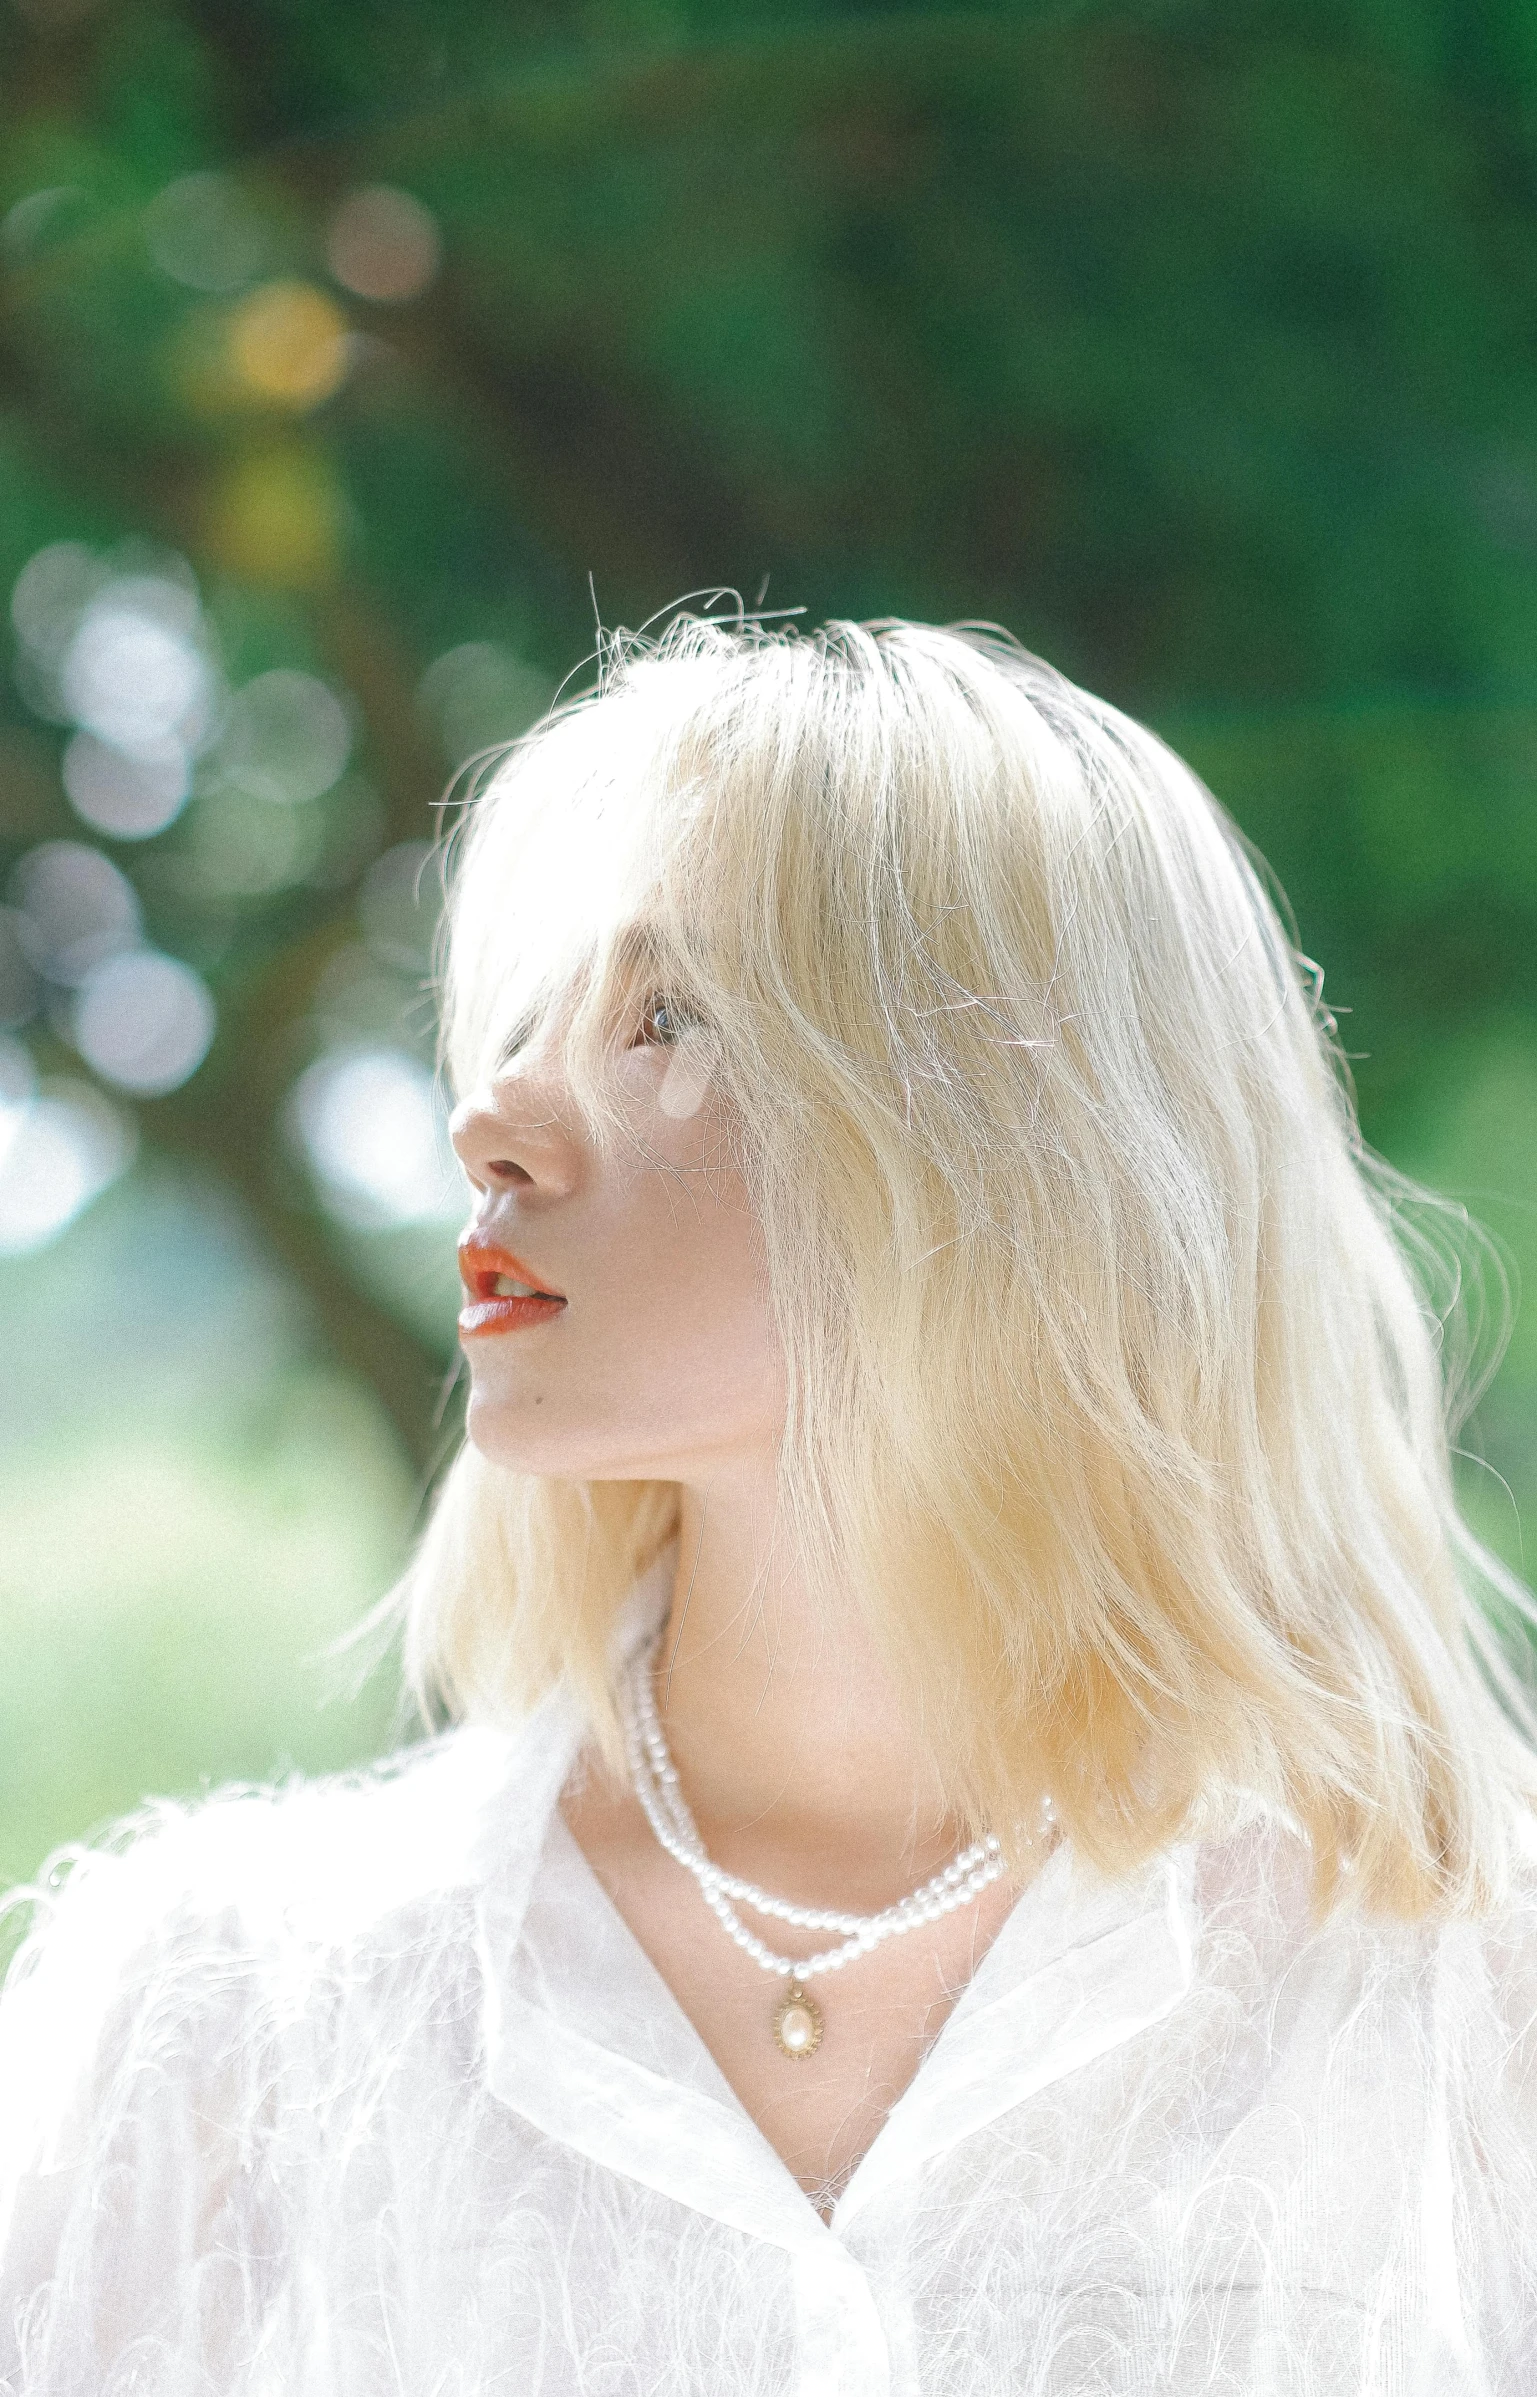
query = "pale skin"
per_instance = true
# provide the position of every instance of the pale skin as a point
(793, 1752)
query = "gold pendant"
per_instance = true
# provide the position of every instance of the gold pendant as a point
(798, 2024)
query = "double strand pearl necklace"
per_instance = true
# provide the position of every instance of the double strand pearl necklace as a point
(797, 2019)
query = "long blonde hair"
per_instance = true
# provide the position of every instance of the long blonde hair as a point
(1117, 1400)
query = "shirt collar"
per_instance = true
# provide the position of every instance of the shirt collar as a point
(1081, 1966)
(585, 2040)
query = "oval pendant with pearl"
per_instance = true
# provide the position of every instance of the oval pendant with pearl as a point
(798, 2024)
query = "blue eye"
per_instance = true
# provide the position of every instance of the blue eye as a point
(663, 1019)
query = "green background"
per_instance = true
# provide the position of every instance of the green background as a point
(1198, 345)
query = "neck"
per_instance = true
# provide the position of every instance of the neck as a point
(793, 1753)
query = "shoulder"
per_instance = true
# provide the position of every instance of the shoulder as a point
(192, 1929)
(189, 1992)
(1463, 1989)
(1497, 1959)
(305, 1859)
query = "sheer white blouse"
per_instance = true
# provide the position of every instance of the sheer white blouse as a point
(363, 2087)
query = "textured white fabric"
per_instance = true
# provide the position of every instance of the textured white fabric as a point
(363, 2087)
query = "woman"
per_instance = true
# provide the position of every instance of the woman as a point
(985, 1844)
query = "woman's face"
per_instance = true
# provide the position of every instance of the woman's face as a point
(655, 1357)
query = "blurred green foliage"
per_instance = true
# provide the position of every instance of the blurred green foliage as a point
(1196, 343)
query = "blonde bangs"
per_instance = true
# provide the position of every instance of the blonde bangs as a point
(1114, 1402)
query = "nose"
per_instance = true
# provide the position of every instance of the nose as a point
(508, 1137)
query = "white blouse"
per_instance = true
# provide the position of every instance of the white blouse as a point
(363, 2087)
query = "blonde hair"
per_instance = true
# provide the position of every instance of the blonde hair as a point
(1113, 1399)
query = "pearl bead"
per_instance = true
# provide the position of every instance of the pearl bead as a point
(654, 1778)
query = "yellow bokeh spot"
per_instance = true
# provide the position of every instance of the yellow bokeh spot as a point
(277, 518)
(288, 345)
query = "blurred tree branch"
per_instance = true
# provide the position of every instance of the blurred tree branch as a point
(229, 1121)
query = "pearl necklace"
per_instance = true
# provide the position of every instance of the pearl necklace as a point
(797, 2019)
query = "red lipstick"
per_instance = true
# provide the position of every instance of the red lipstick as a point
(485, 1270)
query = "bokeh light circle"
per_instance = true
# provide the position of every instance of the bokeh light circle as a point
(39, 217)
(74, 908)
(59, 1148)
(374, 1131)
(129, 793)
(52, 592)
(204, 232)
(383, 244)
(135, 673)
(480, 694)
(288, 345)
(244, 848)
(287, 738)
(144, 1021)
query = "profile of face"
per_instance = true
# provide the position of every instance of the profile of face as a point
(617, 1321)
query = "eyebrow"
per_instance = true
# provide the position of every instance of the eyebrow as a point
(518, 1037)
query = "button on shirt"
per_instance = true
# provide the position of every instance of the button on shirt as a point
(364, 2087)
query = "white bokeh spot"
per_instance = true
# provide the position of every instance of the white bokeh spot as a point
(127, 793)
(60, 1146)
(374, 1130)
(144, 1021)
(287, 738)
